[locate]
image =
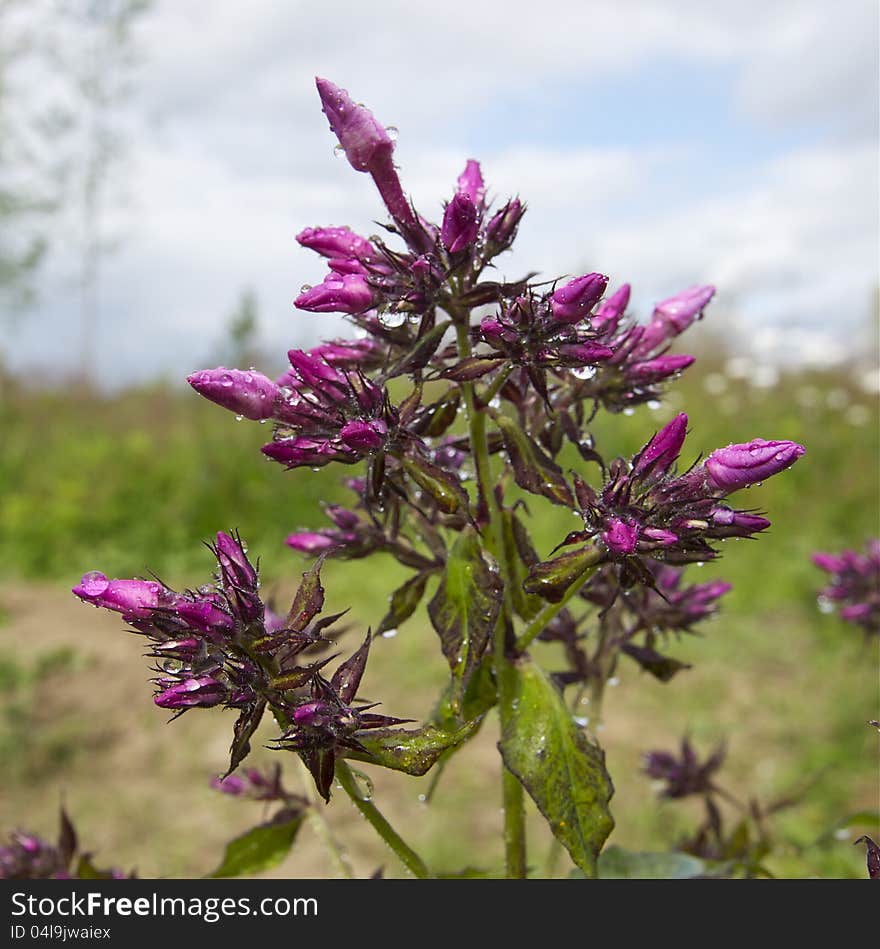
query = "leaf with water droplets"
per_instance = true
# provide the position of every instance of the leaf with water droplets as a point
(309, 599)
(443, 486)
(404, 602)
(261, 847)
(466, 605)
(533, 470)
(412, 751)
(552, 578)
(560, 767)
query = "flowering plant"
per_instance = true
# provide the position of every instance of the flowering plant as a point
(460, 400)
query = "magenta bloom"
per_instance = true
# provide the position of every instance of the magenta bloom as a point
(682, 309)
(738, 466)
(662, 451)
(573, 302)
(247, 393)
(366, 142)
(609, 312)
(620, 537)
(336, 242)
(854, 585)
(460, 224)
(129, 597)
(203, 692)
(471, 184)
(337, 293)
(501, 228)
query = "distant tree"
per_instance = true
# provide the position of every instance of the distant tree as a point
(240, 347)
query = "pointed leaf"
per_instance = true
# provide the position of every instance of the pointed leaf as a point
(67, 840)
(404, 602)
(520, 557)
(466, 605)
(434, 420)
(660, 666)
(562, 770)
(872, 856)
(552, 578)
(412, 751)
(261, 847)
(347, 678)
(309, 599)
(420, 355)
(246, 724)
(321, 763)
(472, 367)
(443, 486)
(533, 470)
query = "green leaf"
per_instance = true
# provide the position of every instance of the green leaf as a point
(443, 486)
(412, 751)
(404, 602)
(261, 847)
(552, 578)
(472, 367)
(533, 470)
(615, 863)
(562, 770)
(465, 607)
(517, 548)
(661, 667)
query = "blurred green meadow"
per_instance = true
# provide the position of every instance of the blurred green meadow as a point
(137, 481)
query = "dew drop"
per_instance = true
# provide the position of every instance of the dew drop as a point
(305, 288)
(825, 604)
(238, 418)
(614, 681)
(389, 634)
(581, 721)
(338, 151)
(392, 131)
(629, 410)
(584, 372)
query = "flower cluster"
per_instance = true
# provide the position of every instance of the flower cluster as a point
(683, 774)
(215, 646)
(854, 585)
(646, 509)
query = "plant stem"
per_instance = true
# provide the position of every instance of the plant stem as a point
(539, 623)
(513, 797)
(321, 827)
(408, 857)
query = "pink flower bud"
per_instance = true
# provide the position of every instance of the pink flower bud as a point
(245, 392)
(460, 224)
(338, 293)
(738, 466)
(574, 301)
(609, 312)
(336, 242)
(471, 184)
(620, 537)
(680, 311)
(136, 598)
(363, 139)
(661, 452)
(364, 436)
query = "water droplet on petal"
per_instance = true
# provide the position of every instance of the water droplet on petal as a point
(338, 151)
(389, 634)
(392, 131)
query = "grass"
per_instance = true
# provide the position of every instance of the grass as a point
(139, 480)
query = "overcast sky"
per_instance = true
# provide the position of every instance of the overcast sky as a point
(663, 142)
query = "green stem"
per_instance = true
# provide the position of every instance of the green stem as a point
(321, 827)
(408, 857)
(513, 798)
(540, 622)
(496, 385)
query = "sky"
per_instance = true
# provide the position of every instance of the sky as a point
(662, 142)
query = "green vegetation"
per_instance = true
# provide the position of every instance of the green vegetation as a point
(138, 481)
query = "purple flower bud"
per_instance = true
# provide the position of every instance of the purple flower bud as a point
(494, 331)
(339, 242)
(661, 452)
(203, 614)
(460, 224)
(312, 714)
(364, 436)
(609, 312)
(347, 265)
(573, 302)
(301, 451)
(244, 392)
(205, 691)
(364, 140)
(829, 562)
(501, 228)
(730, 523)
(471, 184)
(314, 370)
(130, 597)
(346, 353)
(658, 536)
(310, 542)
(620, 537)
(343, 518)
(738, 466)
(186, 648)
(235, 567)
(857, 612)
(338, 293)
(682, 309)
(231, 784)
(654, 370)
(584, 354)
